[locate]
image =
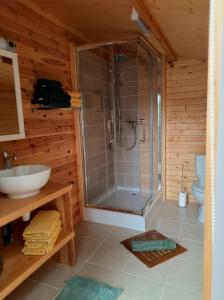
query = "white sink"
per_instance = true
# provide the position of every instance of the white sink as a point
(24, 181)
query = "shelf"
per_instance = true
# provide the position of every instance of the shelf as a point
(12, 209)
(36, 109)
(17, 266)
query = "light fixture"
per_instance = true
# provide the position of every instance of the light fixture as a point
(7, 45)
(135, 17)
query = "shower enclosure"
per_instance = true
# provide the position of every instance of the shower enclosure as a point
(120, 85)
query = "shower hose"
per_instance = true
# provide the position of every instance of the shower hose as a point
(135, 138)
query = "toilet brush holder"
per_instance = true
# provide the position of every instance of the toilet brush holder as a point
(182, 201)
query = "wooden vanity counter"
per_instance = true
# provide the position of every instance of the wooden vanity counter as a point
(17, 266)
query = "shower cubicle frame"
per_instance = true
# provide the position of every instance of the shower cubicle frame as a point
(79, 122)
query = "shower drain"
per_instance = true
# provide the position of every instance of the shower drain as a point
(132, 194)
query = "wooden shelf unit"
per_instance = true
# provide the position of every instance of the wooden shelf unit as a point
(17, 266)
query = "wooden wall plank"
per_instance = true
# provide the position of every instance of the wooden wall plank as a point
(185, 122)
(43, 51)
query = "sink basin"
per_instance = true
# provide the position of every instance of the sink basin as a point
(24, 181)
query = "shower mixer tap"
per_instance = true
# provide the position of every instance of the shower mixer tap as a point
(142, 123)
(110, 133)
(118, 126)
(132, 123)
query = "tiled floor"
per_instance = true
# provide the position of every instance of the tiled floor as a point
(101, 256)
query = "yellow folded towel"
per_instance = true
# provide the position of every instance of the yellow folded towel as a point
(42, 225)
(35, 244)
(42, 250)
(74, 94)
(75, 102)
(39, 237)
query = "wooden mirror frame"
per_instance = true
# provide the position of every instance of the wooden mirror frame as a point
(19, 106)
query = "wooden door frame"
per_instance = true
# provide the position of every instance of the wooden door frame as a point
(78, 129)
(163, 138)
(212, 286)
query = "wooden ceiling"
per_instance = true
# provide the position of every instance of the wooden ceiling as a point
(184, 23)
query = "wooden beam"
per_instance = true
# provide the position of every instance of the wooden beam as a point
(81, 38)
(146, 15)
(78, 129)
(163, 89)
(74, 67)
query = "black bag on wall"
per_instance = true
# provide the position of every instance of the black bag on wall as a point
(50, 93)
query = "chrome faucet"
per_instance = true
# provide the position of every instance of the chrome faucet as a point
(7, 160)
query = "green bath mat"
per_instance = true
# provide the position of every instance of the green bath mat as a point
(81, 288)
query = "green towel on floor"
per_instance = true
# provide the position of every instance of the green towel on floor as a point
(152, 245)
(81, 288)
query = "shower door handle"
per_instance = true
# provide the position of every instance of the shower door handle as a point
(110, 131)
(142, 124)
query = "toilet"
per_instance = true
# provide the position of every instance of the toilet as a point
(198, 186)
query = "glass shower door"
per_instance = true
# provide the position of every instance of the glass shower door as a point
(127, 165)
(145, 124)
(95, 84)
(157, 123)
(149, 124)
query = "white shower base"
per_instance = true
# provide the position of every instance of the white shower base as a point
(124, 198)
(123, 219)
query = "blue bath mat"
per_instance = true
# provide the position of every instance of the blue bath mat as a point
(81, 288)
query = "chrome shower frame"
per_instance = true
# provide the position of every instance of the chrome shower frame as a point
(139, 39)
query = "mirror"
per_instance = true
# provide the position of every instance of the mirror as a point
(11, 112)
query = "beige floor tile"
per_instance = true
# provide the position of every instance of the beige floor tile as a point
(193, 207)
(170, 204)
(172, 293)
(85, 225)
(85, 247)
(173, 204)
(81, 225)
(94, 233)
(99, 273)
(177, 215)
(138, 289)
(55, 274)
(32, 290)
(194, 251)
(111, 255)
(120, 234)
(137, 268)
(192, 232)
(192, 217)
(168, 228)
(186, 275)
